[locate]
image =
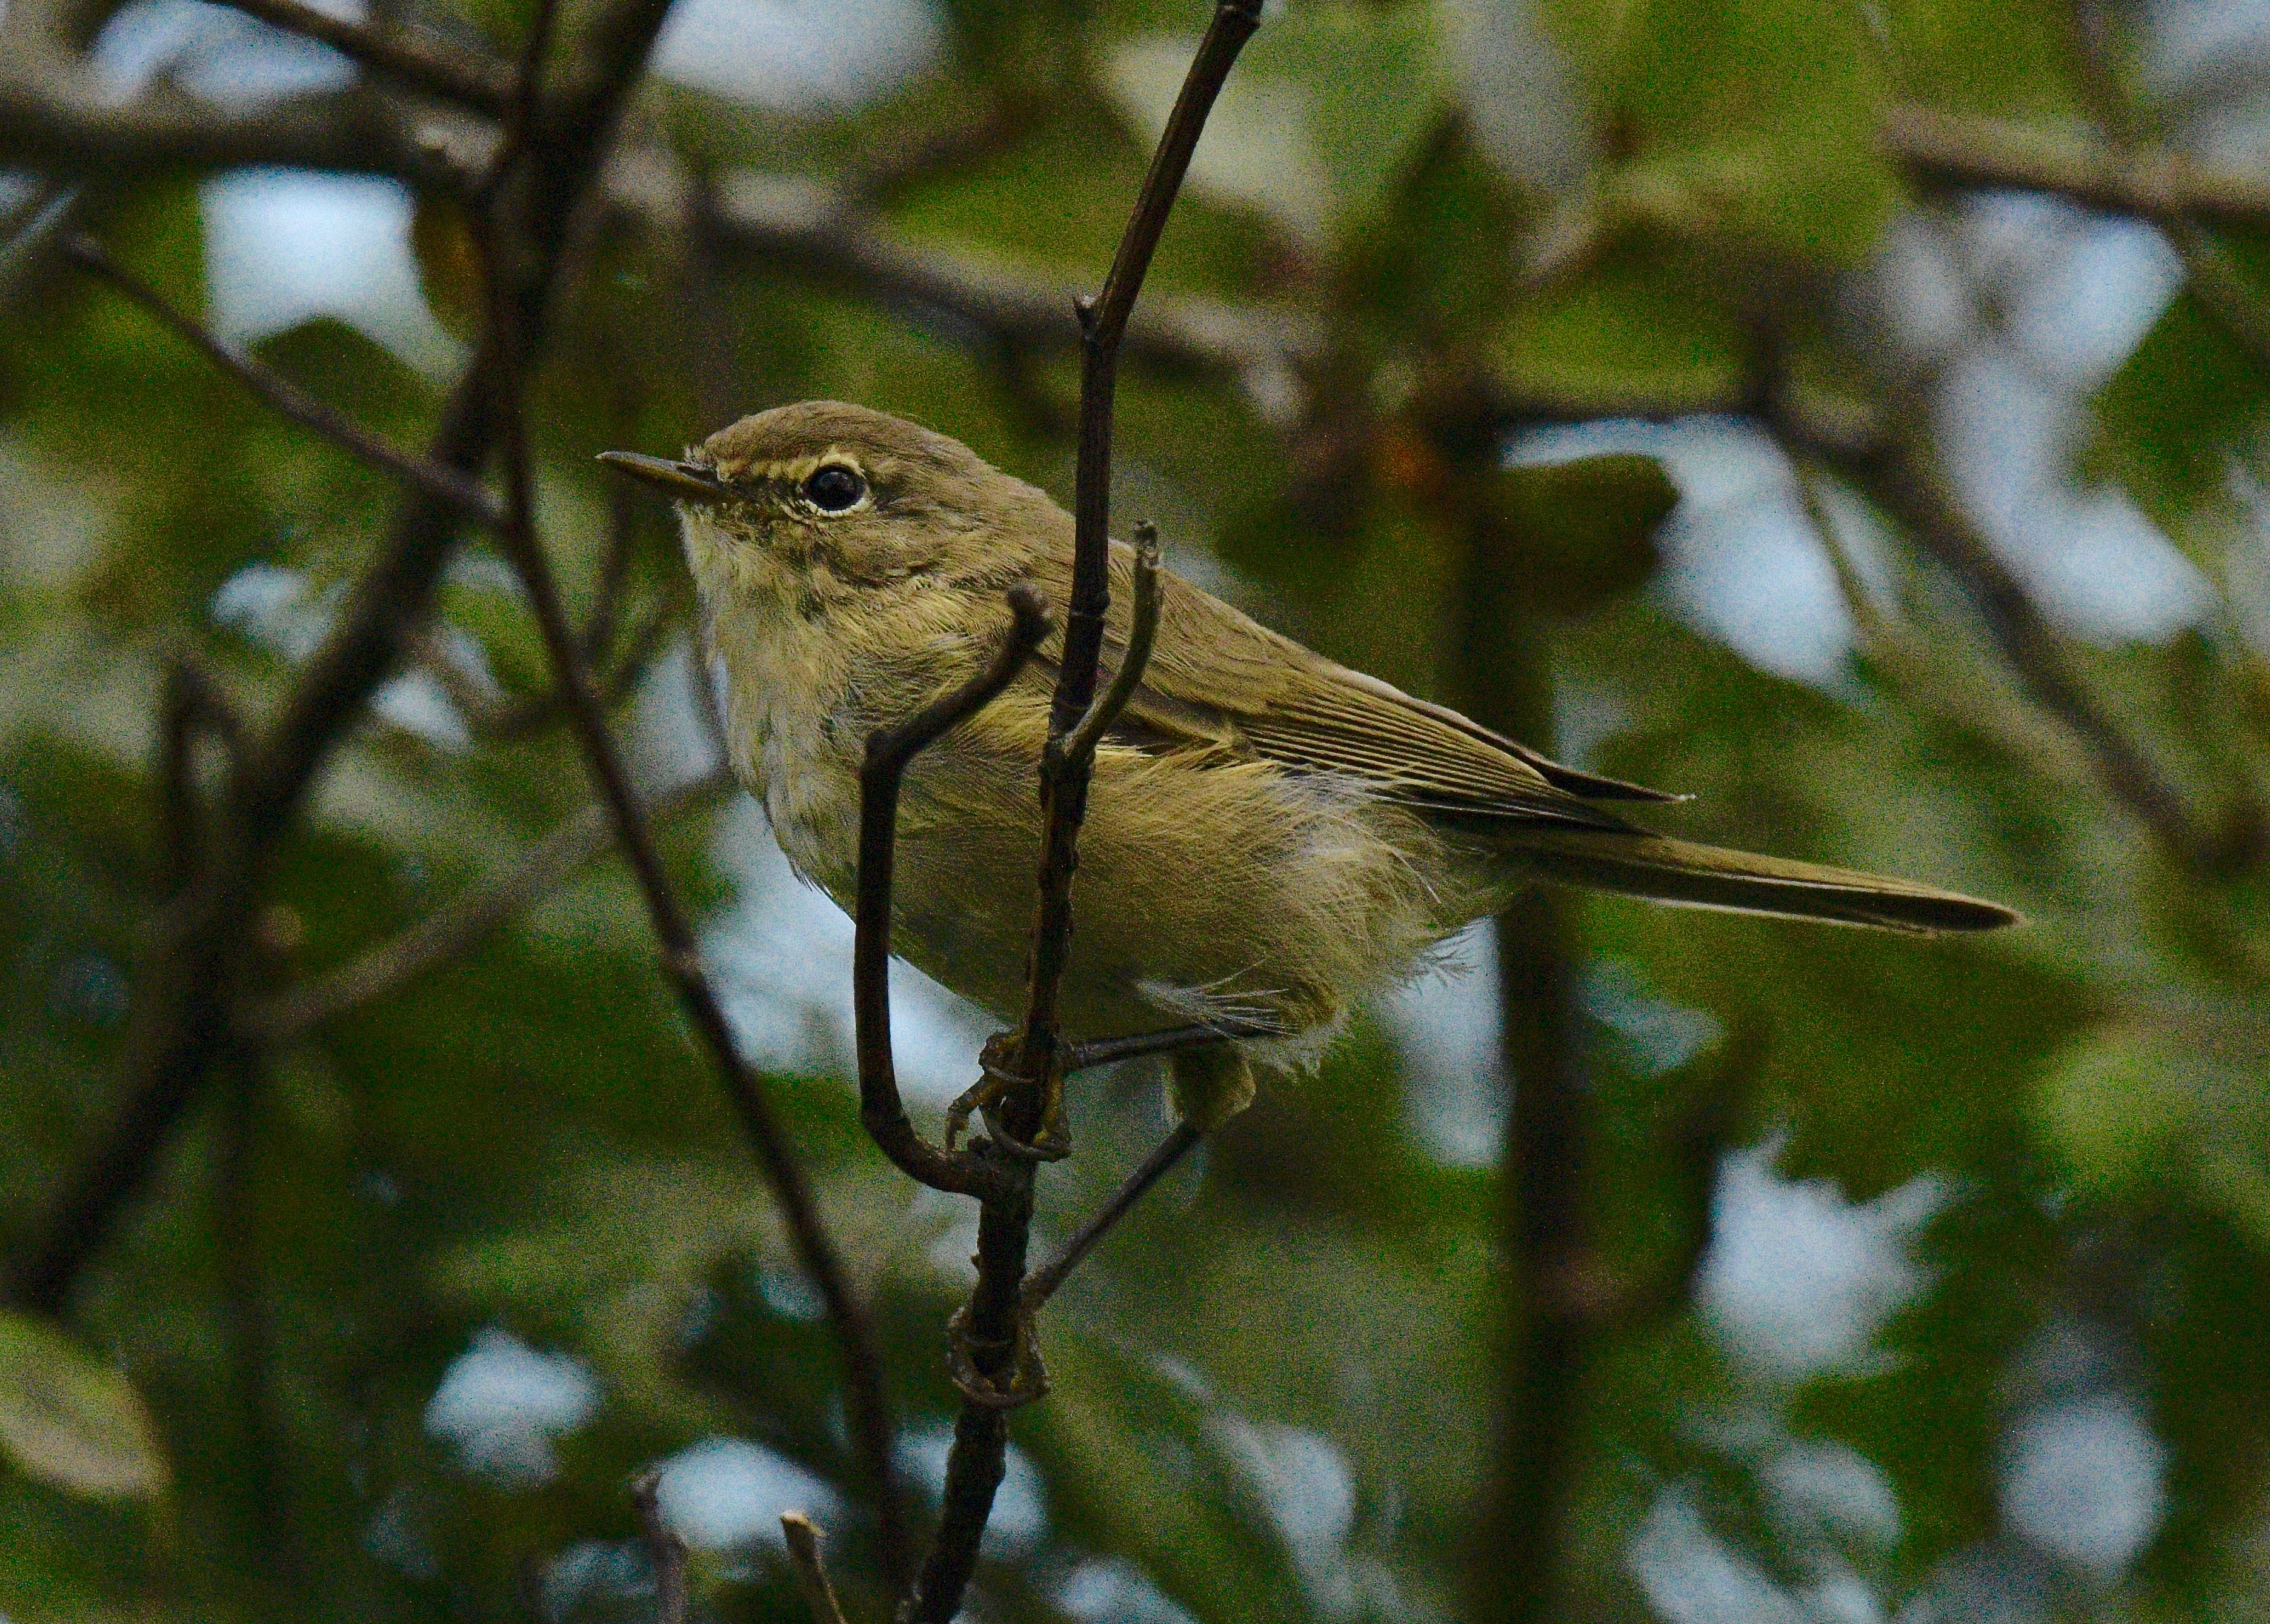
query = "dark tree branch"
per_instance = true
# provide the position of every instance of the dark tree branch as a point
(54, 121)
(60, 1239)
(1507, 684)
(416, 59)
(249, 1324)
(56, 117)
(287, 398)
(182, 1018)
(189, 707)
(1519, 1551)
(525, 111)
(866, 1401)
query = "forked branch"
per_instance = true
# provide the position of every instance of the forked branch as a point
(995, 1361)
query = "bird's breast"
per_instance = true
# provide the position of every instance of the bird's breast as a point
(793, 742)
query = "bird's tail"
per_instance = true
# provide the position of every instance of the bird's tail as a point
(1688, 875)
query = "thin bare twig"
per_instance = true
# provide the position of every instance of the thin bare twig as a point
(664, 1549)
(1105, 1051)
(419, 60)
(811, 1570)
(1042, 1284)
(460, 924)
(992, 1334)
(287, 398)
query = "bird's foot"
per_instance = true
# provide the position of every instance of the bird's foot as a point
(1002, 1082)
(1019, 1376)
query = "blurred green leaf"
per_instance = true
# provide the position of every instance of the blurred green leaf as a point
(1754, 124)
(2010, 58)
(69, 1419)
(2183, 411)
(1638, 329)
(2135, 1109)
(1571, 535)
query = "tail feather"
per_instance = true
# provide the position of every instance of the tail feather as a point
(1684, 874)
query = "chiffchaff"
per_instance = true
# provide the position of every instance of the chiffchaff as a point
(1269, 834)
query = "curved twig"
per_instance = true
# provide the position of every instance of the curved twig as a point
(889, 750)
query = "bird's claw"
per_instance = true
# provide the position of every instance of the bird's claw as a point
(1023, 1377)
(999, 1083)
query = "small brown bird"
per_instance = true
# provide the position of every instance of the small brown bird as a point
(1270, 836)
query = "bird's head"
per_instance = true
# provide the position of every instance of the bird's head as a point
(840, 498)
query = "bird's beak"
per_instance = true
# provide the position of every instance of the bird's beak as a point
(685, 482)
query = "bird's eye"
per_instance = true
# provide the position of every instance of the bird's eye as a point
(834, 488)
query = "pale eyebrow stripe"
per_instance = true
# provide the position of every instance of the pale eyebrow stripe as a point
(800, 467)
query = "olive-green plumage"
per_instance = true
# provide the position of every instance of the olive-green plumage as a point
(1270, 836)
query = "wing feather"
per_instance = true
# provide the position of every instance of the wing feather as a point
(1218, 680)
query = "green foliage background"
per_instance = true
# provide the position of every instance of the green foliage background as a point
(233, 1422)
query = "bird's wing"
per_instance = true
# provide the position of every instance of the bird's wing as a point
(1219, 680)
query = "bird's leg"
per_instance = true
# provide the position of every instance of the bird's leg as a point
(1053, 1142)
(993, 1083)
